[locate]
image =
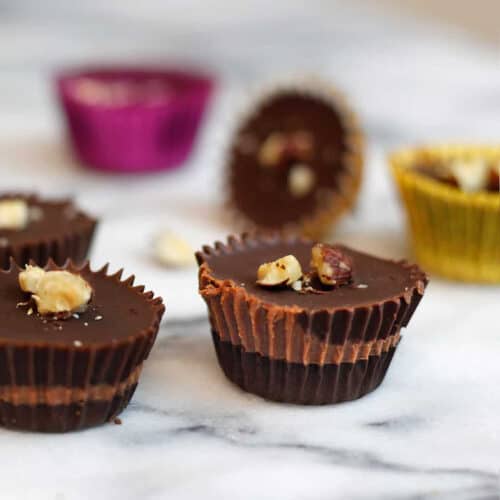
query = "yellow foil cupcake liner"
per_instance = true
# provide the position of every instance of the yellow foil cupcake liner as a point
(454, 234)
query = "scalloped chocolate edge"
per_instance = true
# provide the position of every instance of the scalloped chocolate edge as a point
(74, 245)
(341, 200)
(43, 365)
(326, 336)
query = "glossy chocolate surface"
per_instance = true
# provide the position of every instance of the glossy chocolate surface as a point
(262, 193)
(116, 312)
(374, 280)
(50, 220)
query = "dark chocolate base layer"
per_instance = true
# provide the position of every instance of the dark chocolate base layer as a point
(63, 418)
(295, 383)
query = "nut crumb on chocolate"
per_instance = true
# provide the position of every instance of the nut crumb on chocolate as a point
(301, 180)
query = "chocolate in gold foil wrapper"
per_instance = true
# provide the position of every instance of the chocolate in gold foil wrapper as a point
(454, 234)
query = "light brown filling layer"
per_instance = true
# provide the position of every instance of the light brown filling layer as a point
(308, 349)
(59, 395)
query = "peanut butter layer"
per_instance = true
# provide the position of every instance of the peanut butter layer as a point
(59, 395)
(310, 350)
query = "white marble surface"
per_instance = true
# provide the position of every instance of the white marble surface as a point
(431, 431)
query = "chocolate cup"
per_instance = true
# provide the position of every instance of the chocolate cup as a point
(59, 246)
(53, 385)
(296, 383)
(263, 346)
(248, 201)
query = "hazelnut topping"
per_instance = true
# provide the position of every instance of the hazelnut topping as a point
(284, 271)
(281, 148)
(14, 214)
(58, 293)
(471, 176)
(301, 180)
(272, 150)
(332, 266)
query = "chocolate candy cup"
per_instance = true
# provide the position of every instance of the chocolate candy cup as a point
(135, 136)
(454, 234)
(59, 376)
(59, 231)
(305, 348)
(263, 196)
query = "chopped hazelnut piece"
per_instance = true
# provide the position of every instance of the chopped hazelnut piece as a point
(272, 149)
(333, 267)
(284, 271)
(301, 180)
(14, 214)
(472, 175)
(172, 251)
(58, 293)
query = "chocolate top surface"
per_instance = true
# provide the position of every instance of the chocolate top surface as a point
(441, 172)
(384, 280)
(49, 220)
(121, 312)
(262, 194)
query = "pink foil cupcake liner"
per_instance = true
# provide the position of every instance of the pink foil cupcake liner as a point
(133, 120)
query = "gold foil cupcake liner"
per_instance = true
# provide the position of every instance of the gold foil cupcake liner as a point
(336, 203)
(454, 234)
